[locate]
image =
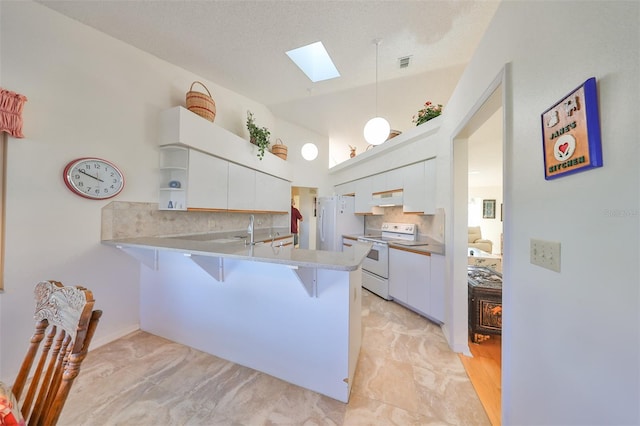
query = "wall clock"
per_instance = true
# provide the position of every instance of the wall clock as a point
(93, 178)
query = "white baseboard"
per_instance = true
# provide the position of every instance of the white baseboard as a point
(103, 340)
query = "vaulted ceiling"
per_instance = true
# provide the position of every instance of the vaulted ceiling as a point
(241, 45)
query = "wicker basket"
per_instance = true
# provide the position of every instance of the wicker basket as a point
(201, 103)
(279, 149)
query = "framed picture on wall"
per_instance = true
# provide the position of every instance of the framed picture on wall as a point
(571, 133)
(488, 209)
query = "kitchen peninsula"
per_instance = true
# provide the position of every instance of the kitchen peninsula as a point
(290, 313)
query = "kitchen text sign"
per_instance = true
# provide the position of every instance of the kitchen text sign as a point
(571, 133)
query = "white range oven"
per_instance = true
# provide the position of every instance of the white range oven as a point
(375, 267)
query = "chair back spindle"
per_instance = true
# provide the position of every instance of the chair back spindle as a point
(66, 323)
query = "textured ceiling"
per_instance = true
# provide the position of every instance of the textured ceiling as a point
(240, 45)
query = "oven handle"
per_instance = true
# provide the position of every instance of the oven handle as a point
(375, 243)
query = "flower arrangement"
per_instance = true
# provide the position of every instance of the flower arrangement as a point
(259, 136)
(427, 113)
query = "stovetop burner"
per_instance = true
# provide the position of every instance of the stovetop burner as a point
(393, 232)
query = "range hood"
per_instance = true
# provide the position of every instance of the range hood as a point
(387, 198)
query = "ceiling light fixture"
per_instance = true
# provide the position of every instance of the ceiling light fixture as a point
(309, 151)
(376, 131)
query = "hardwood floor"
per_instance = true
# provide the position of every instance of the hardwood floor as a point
(485, 371)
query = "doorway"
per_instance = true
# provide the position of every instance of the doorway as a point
(304, 199)
(468, 147)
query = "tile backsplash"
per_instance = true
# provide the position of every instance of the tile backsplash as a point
(431, 226)
(121, 219)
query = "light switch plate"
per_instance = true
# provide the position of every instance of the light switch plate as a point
(545, 254)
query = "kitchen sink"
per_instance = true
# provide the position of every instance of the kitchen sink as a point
(211, 238)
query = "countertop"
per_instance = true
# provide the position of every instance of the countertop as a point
(426, 244)
(226, 246)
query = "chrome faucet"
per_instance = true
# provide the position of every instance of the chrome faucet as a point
(250, 230)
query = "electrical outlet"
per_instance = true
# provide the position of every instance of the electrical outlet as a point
(545, 254)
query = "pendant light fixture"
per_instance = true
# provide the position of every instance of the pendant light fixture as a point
(376, 131)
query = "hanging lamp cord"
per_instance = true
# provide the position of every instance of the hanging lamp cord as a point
(377, 44)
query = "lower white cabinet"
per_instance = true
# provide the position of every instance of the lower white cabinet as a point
(347, 245)
(414, 283)
(437, 287)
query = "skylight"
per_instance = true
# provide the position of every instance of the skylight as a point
(314, 61)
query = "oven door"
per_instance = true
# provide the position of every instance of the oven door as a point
(377, 261)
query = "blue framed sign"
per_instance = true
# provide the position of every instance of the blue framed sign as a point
(571, 133)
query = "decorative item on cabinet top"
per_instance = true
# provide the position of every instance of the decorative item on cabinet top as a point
(279, 149)
(427, 113)
(258, 136)
(201, 103)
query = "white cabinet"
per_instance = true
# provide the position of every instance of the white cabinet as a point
(347, 245)
(391, 180)
(347, 188)
(437, 287)
(414, 283)
(430, 186)
(242, 187)
(174, 166)
(419, 194)
(409, 276)
(272, 194)
(413, 193)
(191, 179)
(363, 196)
(208, 181)
(205, 167)
(251, 190)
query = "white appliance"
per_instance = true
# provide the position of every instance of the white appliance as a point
(336, 217)
(375, 267)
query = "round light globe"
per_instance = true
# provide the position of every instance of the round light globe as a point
(376, 131)
(309, 151)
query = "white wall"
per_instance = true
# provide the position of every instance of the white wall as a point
(570, 339)
(491, 228)
(88, 95)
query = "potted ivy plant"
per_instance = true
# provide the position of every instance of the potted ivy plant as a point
(258, 136)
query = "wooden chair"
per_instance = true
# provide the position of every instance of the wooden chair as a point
(66, 322)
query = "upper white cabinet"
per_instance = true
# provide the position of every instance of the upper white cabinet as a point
(363, 192)
(416, 181)
(413, 194)
(419, 194)
(205, 167)
(347, 188)
(208, 181)
(174, 168)
(251, 190)
(430, 186)
(272, 194)
(179, 126)
(242, 187)
(391, 180)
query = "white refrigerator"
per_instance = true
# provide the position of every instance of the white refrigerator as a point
(336, 217)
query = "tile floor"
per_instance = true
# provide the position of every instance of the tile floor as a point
(406, 375)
